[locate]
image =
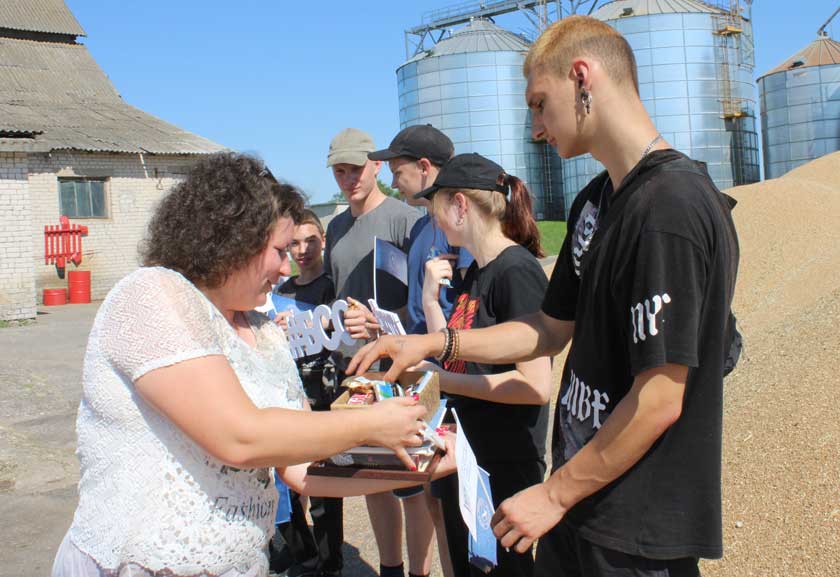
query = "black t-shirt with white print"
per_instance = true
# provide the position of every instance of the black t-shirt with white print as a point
(647, 275)
(510, 286)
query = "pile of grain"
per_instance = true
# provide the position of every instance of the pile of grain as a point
(781, 469)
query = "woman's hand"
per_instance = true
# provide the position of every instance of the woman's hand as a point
(359, 321)
(396, 425)
(447, 464)
(405, 350)
(437, 269)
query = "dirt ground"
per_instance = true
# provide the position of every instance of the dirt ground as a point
(781, 482)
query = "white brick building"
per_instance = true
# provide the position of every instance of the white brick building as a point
(70, 145)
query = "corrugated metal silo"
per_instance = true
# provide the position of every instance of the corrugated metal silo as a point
(800, 107)
(695, 65)
(471, 87)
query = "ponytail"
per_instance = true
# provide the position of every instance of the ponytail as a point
(518, 223)
(510, 204)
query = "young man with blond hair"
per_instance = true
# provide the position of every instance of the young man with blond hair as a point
(348, 258)
(642, 288)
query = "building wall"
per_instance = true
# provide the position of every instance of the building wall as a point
(17, 279)
(110, 250)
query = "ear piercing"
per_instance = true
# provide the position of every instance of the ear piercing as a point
(586, 99)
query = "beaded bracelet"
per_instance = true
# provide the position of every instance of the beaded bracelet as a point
(456, 347)
(447, 346)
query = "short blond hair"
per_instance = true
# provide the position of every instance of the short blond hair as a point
(577, 36)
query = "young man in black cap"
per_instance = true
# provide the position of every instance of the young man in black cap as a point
(415, 157)
(642, 288)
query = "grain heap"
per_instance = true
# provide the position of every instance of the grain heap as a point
(781, 469)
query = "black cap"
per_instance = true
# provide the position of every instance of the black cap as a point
(468, 171)
(419, 141)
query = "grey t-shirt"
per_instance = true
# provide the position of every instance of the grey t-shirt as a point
(348, 256)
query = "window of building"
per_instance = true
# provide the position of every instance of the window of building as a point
(82, 198)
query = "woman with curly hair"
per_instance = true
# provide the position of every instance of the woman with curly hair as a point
(189, 399)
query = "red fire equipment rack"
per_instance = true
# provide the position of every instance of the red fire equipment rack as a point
(63, 242)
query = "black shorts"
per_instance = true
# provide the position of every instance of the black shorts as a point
(407, 492)
(563, 553)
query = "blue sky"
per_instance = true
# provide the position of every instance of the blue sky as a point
(281, 78)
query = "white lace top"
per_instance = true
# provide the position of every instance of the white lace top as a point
(149, 497)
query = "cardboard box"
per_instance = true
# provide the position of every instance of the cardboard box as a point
(381, 463)
(429, 396)
(328, 469)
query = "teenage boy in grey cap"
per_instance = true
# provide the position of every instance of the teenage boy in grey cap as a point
(349, 251)
(348, 258)
(415, 157)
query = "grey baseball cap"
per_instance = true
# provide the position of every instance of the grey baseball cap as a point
(350, 146)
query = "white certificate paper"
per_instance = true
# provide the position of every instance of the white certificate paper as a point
(468, 478)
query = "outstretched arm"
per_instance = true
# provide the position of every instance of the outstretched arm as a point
(653, 404)
(528, 384)
(203, 397)
(523, 339)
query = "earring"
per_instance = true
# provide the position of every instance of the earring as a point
(586, 99)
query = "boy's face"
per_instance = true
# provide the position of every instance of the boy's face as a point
(408, 178)
(305, 248)
(356, 182)
(552, 102)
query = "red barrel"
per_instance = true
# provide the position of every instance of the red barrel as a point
(78, 281)
(54, 297)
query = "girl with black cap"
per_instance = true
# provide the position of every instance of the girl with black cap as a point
(503, 409)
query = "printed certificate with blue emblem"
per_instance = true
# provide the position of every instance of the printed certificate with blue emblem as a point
(476, 503)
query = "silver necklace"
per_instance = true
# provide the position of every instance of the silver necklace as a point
(651, 144)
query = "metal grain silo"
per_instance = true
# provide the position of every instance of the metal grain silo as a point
(471, 87)
(800, 107)
(695, 64)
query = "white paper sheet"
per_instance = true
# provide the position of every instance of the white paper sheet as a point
(468, 478)
(388, 321)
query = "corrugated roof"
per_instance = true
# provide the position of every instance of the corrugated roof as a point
(59, 91)
(480, 35)
(614, 10)
(821, 52)
(39, 16)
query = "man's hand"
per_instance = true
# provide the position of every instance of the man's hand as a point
(406, 351)
(522, 519)
(359, 322)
